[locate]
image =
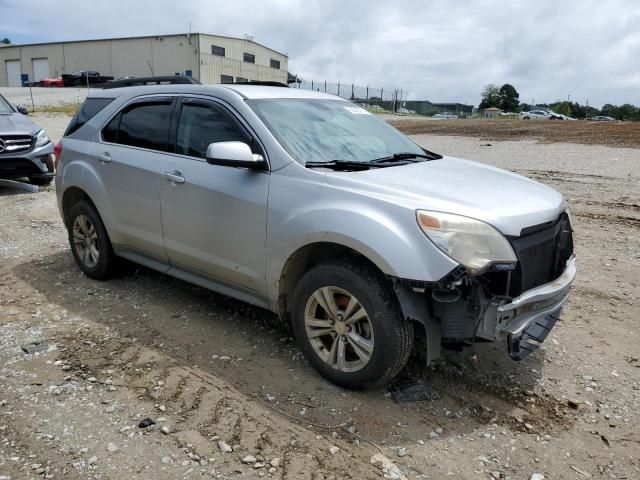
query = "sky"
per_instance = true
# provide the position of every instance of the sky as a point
(441, 50)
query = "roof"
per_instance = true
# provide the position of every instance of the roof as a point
(492, 109)
(141, 37)
(246, 91)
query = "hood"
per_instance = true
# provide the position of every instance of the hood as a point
(503, 199)
(17, 124)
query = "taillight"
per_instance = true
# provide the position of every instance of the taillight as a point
(57, 150)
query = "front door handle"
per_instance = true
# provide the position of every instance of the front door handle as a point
(104, 157)
(175, 176)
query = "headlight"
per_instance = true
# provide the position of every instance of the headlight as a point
(470, 242)
(41, 139)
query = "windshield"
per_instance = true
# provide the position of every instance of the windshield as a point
(4, 106)
(323, 130)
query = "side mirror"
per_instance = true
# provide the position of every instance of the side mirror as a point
(234, 154)
(22, 110)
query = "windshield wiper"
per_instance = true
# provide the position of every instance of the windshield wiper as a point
(402, 157)
(341, 165)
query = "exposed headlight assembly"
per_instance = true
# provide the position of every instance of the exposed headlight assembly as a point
(470, 242)
(41, 138)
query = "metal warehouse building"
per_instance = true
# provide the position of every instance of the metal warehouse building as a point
(209, 58)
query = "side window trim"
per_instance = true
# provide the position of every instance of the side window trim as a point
(211, 101)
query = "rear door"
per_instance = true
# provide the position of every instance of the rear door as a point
(132, 160)
(214, 218)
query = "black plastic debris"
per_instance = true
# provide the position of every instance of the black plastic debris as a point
(35, 347)
(412, 392)
(146, 422)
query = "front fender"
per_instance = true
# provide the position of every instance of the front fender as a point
(385, 233)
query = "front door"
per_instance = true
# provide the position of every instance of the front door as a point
(214, 217)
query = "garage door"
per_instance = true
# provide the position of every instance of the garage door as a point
(40, 68)
(13, 73)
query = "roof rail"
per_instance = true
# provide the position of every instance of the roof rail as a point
(136, 82)
(258, 82)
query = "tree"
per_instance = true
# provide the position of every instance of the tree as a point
(490, 96)
(5, 41)
(508, 98)
(563, 108)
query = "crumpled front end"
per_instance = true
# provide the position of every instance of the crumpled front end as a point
(519, 304)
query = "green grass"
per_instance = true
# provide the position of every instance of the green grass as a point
(67, 108)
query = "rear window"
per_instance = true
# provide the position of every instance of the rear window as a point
(89, 109)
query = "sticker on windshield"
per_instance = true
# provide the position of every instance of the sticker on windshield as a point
(357, 110)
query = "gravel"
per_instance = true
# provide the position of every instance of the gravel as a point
(526, 418)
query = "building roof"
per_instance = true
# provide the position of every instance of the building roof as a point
(144, 36)
(492, 109)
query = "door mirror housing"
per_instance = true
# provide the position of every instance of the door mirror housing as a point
(22, 110)
(234, 154)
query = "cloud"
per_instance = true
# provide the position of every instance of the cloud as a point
(437, 49)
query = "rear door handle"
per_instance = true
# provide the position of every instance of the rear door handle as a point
(104, 157)
(175, 176)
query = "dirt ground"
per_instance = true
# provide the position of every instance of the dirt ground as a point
(612, 134)
(232, 397)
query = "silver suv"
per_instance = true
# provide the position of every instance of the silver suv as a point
(25, 149)
(308, 205)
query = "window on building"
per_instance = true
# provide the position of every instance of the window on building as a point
(275, 64)
(201, 124)
(249, 58)
(216, 50)
(226, 79)
(241, 80)
(143, 125)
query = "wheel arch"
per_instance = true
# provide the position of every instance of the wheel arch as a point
(307, 257)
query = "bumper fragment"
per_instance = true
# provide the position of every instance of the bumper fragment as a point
(528, 319)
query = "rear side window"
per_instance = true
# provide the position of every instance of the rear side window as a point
(143, 125)
(90, 108)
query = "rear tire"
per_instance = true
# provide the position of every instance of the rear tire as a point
(349, 324)
(89, 242)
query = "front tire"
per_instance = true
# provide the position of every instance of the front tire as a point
(349, 324)
(89, 241)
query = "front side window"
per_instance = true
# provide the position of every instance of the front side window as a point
(200, 124)
(249, 58)
(143, 125)
(313, 130)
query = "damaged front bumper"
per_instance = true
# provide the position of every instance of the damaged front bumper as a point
(527, 319)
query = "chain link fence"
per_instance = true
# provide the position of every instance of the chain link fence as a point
(383, 99)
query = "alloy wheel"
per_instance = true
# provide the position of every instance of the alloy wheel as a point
(85, 241)
(339, 329)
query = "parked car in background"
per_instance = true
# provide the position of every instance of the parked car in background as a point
(602, 118)
(82, 77)
(25, 149)
(308, 205)
(445, 116)
(51, 82)
(540, 115)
